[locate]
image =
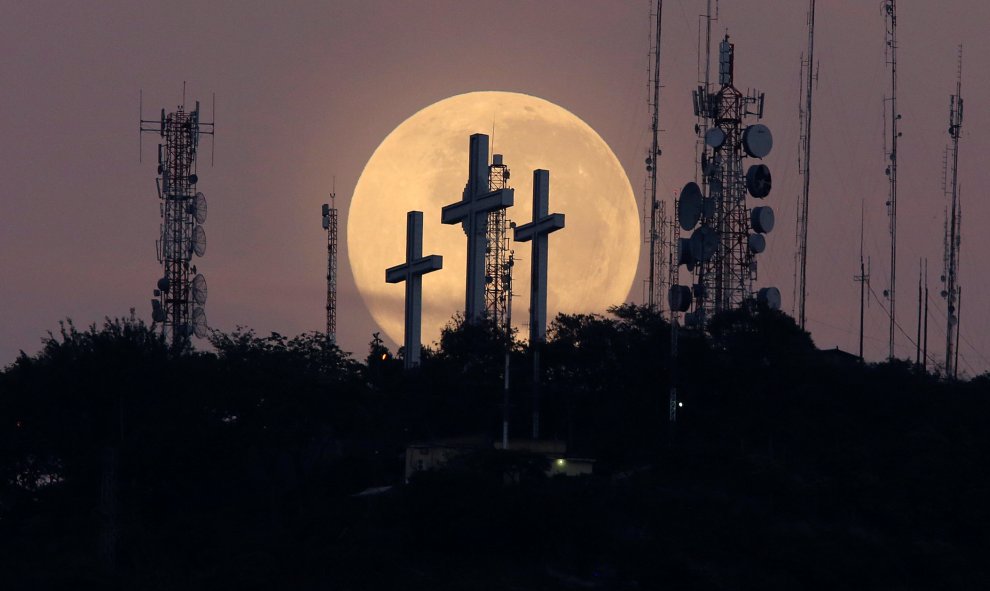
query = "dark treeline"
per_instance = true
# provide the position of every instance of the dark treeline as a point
(124, 465)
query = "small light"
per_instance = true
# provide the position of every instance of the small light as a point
(384, 356)
(680, 404)
(19, 423)
(561, 462)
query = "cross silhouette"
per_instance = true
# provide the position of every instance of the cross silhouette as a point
(412, 272)
(537, 231)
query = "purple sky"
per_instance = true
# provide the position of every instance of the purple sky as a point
(307, 90)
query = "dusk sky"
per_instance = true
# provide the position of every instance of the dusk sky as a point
(306, 91)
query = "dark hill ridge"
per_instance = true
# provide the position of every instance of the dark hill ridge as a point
(126, 466)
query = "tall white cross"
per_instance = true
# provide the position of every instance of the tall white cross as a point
(537, 231)
(412, 272)
(472, 212)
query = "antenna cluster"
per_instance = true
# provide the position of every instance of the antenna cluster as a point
(726, 235)
(656, 213)
(180, 293)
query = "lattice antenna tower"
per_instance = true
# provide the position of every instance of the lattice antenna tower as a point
(180, 294)
(656, 214)
(498, 256)
(951, 289)
(808, 79)
(890, 48)
(329, 212)
(727, 235)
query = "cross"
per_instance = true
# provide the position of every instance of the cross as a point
(537, 231)
(412, 272)
(472, 211)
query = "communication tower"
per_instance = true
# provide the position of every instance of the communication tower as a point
(330, 225)
(953, 240)
(180, 294)
(890, 48)
(726, 234)
(656, 210)
(498, 255)
(808, 79)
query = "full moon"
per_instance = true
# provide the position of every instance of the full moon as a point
(423, 165)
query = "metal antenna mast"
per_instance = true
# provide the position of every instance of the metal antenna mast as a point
(890, 8)
(863, 278)
(181, 292)
(498, 256)
(657, 215)
(805, 165)
(330, 225)
(953, 239)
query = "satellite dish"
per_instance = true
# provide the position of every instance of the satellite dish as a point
(708, 207)
(715, 137)
(756, 243)
(163, 284)
(757, 140)
(704, 241)
(758, 180)
(198, 244)
(193, 179)
(770, 297)
(689, 206)
(762, 219)
(199, 208)
(157, 313)
(679, 298)
(199, 291)
(684, 252)
(199, 323)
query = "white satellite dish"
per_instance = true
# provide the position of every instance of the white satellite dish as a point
(198, 244)
(157, 313)
(199, 326)
(689, 206)
(758, 180)
(704, 242)
(684, 252)
(199, 291)
(679, 298)
(769, 296)
(708, 207)
(762, 219)
(757, 140)
(199, 208)
(715, 137)
(756, 243)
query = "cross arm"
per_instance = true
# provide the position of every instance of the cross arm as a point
(456, 212)
(405, 271)
(546, 225)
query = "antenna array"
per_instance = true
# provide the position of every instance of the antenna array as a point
(726, 234)
(181, 292)
(329, 212)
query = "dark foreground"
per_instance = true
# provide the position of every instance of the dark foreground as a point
(124, 465)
